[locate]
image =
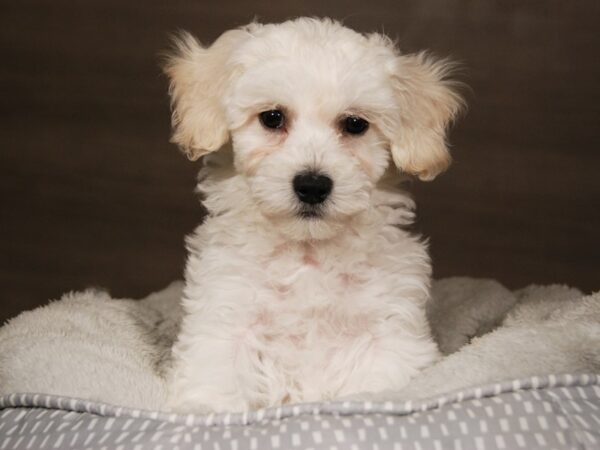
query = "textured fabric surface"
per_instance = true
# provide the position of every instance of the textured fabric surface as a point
(91, 346)
(534, 413)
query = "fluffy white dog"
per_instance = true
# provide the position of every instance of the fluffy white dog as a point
(301, 284)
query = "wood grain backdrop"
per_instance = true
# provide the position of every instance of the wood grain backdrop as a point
(93, 193)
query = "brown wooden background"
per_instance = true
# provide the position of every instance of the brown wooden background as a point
(92, 193)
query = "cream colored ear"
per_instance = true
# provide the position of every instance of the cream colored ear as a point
(427, 103)
(199, 77)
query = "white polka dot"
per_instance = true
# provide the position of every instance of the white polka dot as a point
(500, 443)
(155, 437)
(520, 441)
(483, 427)
(575, 405)
(479, 444)
(260, 415)
(403, 433)
(547, 407)
(543, 422)
(275, 441)
(296, 442)
(58, 442)
(582, 421)
(317, 437)
(523, 424)
(383, 433)
(362, 435)
(540, 439)
(590, 437)
(582, 393)
(18, 443)
(31, 442)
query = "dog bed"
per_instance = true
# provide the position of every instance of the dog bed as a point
(537, 412)
(519, 371)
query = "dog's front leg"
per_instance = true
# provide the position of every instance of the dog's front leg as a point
(392, 360)
(212, 357)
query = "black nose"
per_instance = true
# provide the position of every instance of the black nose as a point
(312, 188)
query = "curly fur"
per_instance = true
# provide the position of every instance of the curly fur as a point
(282, 308)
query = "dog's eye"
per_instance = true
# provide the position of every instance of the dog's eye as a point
(355, 125)
(273, 118)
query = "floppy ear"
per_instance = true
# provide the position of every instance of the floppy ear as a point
(427, 102)
(199, 77)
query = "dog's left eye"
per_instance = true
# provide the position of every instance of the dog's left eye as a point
(355, 125)
(273, 118)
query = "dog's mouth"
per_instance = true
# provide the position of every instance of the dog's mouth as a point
(312, 212)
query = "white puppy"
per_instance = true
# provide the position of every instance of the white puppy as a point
(301, 284)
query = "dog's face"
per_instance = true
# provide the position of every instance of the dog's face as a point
(315, 112)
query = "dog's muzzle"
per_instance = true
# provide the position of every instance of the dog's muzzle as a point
(312, 188)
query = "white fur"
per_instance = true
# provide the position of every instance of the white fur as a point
(90, 346)
(280, 308)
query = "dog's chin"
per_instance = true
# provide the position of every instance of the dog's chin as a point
(307, 224)
(312, 226)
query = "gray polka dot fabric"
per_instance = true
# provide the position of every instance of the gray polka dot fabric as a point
(552, 412)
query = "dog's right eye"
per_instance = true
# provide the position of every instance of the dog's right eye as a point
(355, 125)
(273, 118)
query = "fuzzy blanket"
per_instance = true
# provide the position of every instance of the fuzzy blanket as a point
(90, 346)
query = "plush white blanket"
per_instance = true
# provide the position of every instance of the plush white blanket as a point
(90, 346)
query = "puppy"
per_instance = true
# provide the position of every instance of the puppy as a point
(301, 284)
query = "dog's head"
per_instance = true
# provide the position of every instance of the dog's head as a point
(314, 111)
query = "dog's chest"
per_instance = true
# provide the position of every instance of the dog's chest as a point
(308, 297)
